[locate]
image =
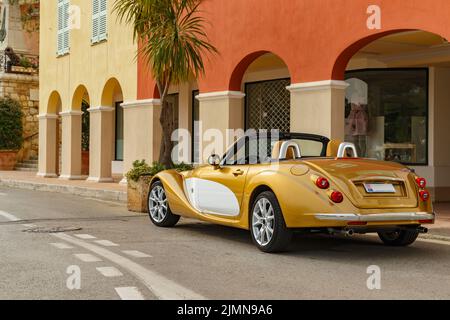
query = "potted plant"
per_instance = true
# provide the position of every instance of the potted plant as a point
(11, 132)
(139, 178)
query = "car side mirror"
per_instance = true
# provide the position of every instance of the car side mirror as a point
(214, 160)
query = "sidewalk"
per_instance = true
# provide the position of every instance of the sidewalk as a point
(116, 192)
(29, 180)
(442, 225)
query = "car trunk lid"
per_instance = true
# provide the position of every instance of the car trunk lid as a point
(370, 184)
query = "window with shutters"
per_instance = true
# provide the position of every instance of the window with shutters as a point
(63, 27)
(99, 20)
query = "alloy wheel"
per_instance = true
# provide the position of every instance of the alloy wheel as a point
(158, 204)
(263, 222)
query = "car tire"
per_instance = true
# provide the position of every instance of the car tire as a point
(260, 226)
(158, 207)
(401, 238)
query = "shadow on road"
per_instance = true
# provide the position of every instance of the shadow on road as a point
(338, 248)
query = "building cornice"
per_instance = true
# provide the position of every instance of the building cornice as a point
(71, 113)
(220, 95)
(47, 116)
(100, 109)
(141, 103)
(317, 85)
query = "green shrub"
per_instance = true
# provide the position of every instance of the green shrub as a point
(141, 168)
(11, 127)
(182, 167)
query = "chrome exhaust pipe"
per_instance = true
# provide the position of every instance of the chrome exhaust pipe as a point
(345, 232)
(422, 230)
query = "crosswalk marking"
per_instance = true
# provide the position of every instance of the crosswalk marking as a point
(86, 257)
(109, 272)
(129, 293)
(136, 254)
(61, 245)
(85, 236)
(106, 243)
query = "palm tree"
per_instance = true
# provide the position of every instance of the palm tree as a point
(173, 44)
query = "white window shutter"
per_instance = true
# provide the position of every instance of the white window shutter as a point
(103, 19)
(95, 20)
(99, 20)
(63, 27)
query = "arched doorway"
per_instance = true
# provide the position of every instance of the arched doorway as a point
(50, 138)
(264, 78)
(397, 102)
(81, 102)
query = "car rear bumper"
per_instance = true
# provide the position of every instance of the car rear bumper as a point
(376, 217)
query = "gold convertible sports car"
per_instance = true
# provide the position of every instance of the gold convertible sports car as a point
(296, 182)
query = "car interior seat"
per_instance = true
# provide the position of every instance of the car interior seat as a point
(333, 148)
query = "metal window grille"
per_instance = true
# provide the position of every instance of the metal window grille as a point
(268, 105)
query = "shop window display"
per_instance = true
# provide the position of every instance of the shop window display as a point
(387, 114)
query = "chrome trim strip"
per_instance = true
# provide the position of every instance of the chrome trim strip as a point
(400, 216)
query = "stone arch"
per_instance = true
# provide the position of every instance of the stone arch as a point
(112, 91)
(81, 93)
(54, 104)
(242, 66)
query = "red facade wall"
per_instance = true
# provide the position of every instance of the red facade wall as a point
(315, 38)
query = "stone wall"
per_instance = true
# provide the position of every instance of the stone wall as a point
(25, 89)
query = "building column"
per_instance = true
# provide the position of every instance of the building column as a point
(47, 145)
(71, 145)
(142, 132)
(101, 144)
(439, 132)
(319, 108)
(219, 112)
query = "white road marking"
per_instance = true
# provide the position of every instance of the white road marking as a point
(9, 216)
(85, 236)
(129, 293)
(86, 257)
(27, 225)
(136, 254)
(61, 245)
(2, 194)
(109, 272)
(161, 287)
(106, 243)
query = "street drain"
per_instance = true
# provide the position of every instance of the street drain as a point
(52, 229)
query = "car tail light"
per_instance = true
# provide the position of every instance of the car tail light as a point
(336, 197)
(357, 223)
(424, 195)
(421, 182)
(322, 183)
(426, 221)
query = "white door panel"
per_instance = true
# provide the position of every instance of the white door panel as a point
(212, 197)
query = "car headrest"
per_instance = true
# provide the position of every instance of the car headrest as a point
(333, 148)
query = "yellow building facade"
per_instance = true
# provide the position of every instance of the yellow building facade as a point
(99, 72)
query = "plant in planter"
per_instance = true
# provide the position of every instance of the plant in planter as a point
(139, 178)
(11, 132)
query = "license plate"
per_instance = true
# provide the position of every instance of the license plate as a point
(379, 188)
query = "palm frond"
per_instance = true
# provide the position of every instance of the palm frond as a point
(173, 36)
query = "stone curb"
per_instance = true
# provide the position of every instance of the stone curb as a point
(110, 195)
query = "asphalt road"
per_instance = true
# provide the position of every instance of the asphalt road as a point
(120, 255)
